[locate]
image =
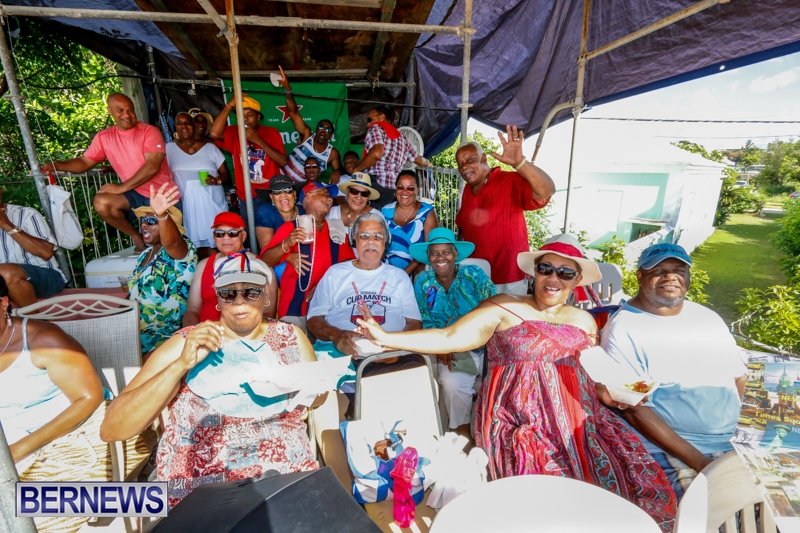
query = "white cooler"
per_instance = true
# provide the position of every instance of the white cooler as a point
(104, 272)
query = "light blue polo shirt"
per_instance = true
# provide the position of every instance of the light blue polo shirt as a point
(696, 361)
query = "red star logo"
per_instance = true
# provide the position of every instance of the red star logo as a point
(283, 109)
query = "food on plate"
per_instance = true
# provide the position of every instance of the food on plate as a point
(642, 387)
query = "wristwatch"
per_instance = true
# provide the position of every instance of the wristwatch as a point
(14, 230)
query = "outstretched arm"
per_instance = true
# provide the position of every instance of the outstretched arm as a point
(171, 238)
(470, 332)
(217, 130)
(75, 165)
(540, 182)
(294, 112)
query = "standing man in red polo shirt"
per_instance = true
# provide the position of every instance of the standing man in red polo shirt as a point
(265, 153)
(491, 214)
(138, 155)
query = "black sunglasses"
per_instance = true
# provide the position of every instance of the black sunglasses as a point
(567, 274)
(232, 233)
(355, 192)
(228, 296)
(324, 127)
(287, 190)
(150, 221)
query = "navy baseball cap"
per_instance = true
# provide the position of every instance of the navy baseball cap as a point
(659, 252)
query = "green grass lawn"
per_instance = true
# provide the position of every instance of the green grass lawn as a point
(736, 257)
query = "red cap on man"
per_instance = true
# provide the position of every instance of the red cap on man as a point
(227, 218)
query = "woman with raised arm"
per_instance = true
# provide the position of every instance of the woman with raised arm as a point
(538, 411)
(218, 430)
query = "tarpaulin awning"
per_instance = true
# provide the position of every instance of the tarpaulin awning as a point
(525, 52)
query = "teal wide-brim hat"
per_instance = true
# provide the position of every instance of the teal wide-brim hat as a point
(419, 251)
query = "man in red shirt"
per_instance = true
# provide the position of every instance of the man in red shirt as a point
(491, 214)
(311, 260)
(265, 153)
(137, 153)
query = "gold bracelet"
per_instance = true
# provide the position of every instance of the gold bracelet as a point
(521, 163)
(166, 215)
(283, 242)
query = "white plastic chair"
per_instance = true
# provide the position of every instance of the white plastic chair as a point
(609, 288)
(721, 490)
(483, 263)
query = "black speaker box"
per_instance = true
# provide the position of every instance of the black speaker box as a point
(302, 502)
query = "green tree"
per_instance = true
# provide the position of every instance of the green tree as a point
(63, 121)
(772, 316)
(536, 221)
(781, 162)
(714, 155)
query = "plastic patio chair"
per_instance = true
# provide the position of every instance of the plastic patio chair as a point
(108, 329)
(723, 489)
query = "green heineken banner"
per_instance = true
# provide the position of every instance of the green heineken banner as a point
(316, 101)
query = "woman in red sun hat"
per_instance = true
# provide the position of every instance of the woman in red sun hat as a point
(229, 238)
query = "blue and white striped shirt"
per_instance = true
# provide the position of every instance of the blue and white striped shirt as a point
(33, 223)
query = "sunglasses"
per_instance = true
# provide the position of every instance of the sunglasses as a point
(228, 296)
(150, 221)
(356, 192)
(278, 192)
(312, 166)
(411, 188)
(368, 236)
(232, 233)
(566, 274)
(326, 128)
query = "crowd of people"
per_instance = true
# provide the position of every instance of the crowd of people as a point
(361, 257)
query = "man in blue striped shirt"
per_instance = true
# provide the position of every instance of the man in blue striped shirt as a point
(27, 255)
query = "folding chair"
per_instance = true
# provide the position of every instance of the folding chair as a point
(410, 395)
(108, 329)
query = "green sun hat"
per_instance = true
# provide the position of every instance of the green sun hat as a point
(419, 251)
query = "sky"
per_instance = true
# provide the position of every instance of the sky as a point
(769, 90)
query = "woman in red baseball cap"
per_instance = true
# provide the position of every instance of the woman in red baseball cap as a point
(230, 237)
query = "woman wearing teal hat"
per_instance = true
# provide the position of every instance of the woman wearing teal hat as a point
(444, 294)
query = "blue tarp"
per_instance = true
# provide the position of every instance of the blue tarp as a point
(524, 54)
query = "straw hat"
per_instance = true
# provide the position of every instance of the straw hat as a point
(173, 212)
(566, 246)
(361, 179)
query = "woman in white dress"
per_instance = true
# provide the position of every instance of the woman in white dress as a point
(187, 158)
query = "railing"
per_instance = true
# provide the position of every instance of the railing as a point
(443, 185)
(100, 239)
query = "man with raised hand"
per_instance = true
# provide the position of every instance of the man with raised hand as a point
(265, 153)
(316, 144)
(686, 348)
(492, 214)
(137, 154)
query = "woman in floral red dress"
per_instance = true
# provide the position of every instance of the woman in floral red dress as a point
(538, 411)
(217, 429)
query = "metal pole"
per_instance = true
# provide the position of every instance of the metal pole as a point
(233, 41)
(9, 523)
(546, 123)
(27, 139)
(246, 20)
(576, 109)
(467, 33)
(152, 66)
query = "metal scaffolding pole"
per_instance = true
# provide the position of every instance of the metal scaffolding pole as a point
(27, 139)
(578, 105)
(228, 29)
(9, 523)
(246, 20)
(467, 35)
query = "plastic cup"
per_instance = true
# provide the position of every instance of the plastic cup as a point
(123, 282)
(203, 176)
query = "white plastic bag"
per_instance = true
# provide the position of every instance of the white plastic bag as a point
(69, 233)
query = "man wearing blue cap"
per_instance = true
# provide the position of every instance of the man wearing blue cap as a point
(688, 350)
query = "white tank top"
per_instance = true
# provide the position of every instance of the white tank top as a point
(297, 159)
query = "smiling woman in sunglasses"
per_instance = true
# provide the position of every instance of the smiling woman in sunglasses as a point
(358, 192)
(538, 411)
(229, 238)
(218, 430)
(283, 208)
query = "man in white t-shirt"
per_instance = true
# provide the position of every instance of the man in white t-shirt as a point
(688, 350)
(386, 289)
